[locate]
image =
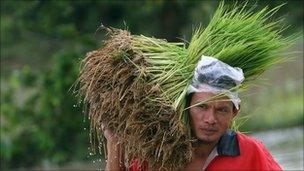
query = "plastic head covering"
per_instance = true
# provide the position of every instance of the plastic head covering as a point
(215, 76)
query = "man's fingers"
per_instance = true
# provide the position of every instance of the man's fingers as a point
(103, 127)
(109, 134)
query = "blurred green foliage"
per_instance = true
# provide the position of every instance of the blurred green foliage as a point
(42, 43)
(280, 106)
(38, 117)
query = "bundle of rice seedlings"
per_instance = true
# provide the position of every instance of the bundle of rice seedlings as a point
(121, 93)
(136, 85)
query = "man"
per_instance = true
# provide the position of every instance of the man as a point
(212, 104)
(218, 148)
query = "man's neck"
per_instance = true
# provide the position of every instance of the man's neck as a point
(202, 150)
(200, 155)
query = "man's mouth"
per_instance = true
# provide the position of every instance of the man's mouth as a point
(208, 131)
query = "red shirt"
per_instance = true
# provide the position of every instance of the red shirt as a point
(253, 156)
(236, 151)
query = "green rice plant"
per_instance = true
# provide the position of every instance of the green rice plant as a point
(239, 37)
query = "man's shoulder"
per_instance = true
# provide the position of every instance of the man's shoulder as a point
(253, 148)
(247, 138)
(250, 143)
(236, 143)
(252, 154)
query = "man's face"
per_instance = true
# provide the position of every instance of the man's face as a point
(210, 121)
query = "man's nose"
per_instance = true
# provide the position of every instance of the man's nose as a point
(209, 116)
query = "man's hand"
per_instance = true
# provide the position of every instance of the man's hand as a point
(109, 134)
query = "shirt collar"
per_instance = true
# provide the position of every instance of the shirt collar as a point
(228, 144)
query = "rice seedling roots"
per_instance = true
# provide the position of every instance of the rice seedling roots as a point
(116, 87)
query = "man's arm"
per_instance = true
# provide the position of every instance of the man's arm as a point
(115, 156)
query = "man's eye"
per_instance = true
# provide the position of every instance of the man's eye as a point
(203, 106)
(223, 110)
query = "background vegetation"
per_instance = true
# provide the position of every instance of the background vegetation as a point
(42, 43)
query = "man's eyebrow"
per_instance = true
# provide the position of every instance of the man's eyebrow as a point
(226, 105)
(201, 101)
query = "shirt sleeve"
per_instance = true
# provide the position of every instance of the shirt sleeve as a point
(135, 165)
(266, 161)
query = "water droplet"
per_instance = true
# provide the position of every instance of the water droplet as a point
(94, 161)
(74, 105)
(91, 154)
(84, 119)
(99, 160)
(84, 128)
(106, 160)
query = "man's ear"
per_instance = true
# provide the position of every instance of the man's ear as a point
(236, 111)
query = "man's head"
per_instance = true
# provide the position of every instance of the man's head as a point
(212, 77)
(209, 121)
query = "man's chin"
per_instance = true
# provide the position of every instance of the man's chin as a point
(206, 141)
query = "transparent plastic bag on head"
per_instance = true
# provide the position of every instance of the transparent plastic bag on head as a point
(215, 76)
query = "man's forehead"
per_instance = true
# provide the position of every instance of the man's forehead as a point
(209, 95)
(211, 98)
(222, 102)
